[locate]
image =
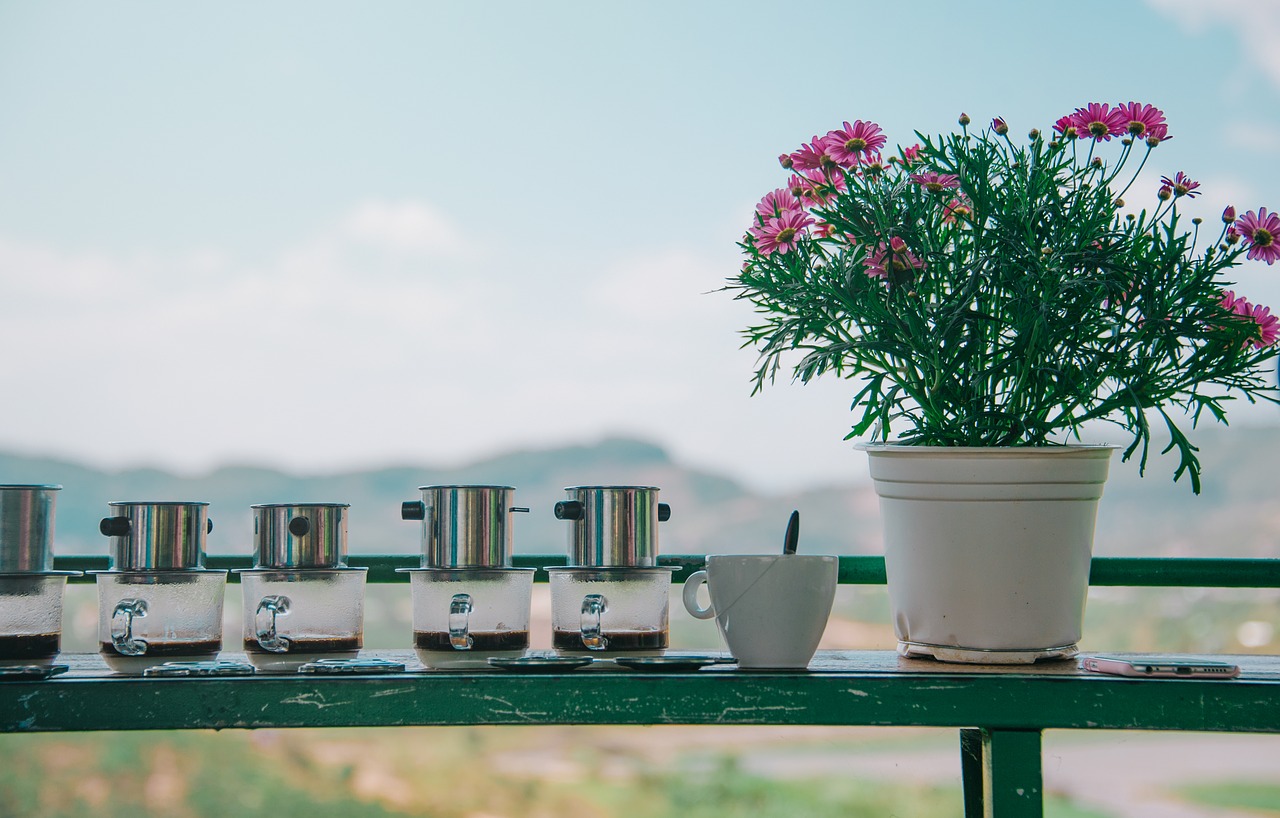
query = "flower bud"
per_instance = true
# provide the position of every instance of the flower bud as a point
(999, 126)
(1197, 221)
(964, 119)
(1152, 141)
(897, 245)
(785, 161)
(1033, 134)
(1119, 202)
(1233, 235)
(1096, 161)
(1129, 217)
(1229, 215)
(1166, 193)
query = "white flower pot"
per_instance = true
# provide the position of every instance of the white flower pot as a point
(987, 550)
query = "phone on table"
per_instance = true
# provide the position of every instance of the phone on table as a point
(1160, 668)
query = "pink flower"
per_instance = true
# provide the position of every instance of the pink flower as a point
(815, 187)
(780, 235)
(911, 155)
(1181, 185)
(777, 202)
(896, 258)
(1101, 121)
(1268, 325)
(1144, 120)
(1067, 127)
(852, 144)
(936, 182)
(812, 156)
(958, 209)
(1262, 231)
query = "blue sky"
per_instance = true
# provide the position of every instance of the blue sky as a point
(331, 235)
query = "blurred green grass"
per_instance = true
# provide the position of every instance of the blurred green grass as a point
(421, 772)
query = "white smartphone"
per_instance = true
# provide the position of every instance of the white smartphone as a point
(1160, 668)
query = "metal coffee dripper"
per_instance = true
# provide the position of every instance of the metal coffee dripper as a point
(614, 596)
(469, 604)
(158, 603)
(301, 600)
(30, 590)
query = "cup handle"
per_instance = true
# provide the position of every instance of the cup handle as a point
(269, 636)
(593, 605)
(690, 594)
(122, 617)
(459, 614)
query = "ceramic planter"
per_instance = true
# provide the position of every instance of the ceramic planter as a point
(987, 550)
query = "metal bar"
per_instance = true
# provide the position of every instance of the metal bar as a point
(1154, 572)
(1012, 780)
(1005, 701)
(971, 771)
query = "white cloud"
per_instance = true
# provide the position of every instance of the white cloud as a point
(404, 226)
(1255, 22)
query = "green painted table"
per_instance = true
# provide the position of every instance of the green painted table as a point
(1001, 713)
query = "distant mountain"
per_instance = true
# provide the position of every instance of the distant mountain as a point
(1238, 514)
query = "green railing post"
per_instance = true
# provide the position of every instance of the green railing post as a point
(971, 771)
(1012, 780)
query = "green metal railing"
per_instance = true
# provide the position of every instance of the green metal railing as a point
(1002, 715)
(861, 570)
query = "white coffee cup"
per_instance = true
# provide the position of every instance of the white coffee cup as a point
(771, 610)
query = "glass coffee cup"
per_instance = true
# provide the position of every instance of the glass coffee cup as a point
(610, 610)
(30, 590)
(158, 603)
(147, 618)
(301, 601)
(462, 617)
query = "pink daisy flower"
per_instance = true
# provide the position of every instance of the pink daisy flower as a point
(911, 155)
(780, 235)
(815, 187)
(958, 209)
(813, 155)
(1143, 120)
(896, 258)
(936, 182)
(1181, 185)
(777, 202)
(1262, 231)
(1268, 325)
(1067, 127)
(852, 144)
(1100, 121)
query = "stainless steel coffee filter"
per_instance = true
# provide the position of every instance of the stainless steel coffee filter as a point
(26, 528)
(613, 526)
(300, 535)
(157, 536)
(464, 526)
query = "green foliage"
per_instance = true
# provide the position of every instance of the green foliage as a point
(1034, 308)
(1264, 799)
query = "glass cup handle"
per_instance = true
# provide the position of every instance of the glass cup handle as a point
(122, 617)
(459, 614)
(269, 636)
(593, 605)
(690, 594)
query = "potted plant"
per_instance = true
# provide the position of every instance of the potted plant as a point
(992, 297)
